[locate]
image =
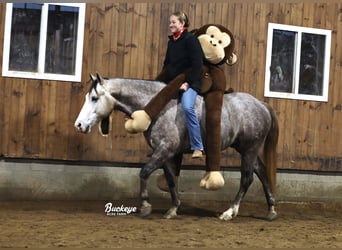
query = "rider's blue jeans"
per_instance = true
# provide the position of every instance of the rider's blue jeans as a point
(188, 100)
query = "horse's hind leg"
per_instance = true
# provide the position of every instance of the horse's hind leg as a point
(245, 182)
(176, 167)
(259, 169)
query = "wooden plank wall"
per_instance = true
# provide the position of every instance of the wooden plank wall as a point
(127, 39)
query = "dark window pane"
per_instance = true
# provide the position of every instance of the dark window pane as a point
(61, 40)
(25, 34)
(312, 64)
(282, 61)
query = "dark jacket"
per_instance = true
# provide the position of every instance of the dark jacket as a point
(183, 54)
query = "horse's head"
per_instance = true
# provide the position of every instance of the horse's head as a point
(98, 105)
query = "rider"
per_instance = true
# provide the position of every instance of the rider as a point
(184, 52)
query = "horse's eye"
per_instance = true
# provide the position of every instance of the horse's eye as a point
(94, 98)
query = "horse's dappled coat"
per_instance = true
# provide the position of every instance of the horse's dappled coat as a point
(248, 125)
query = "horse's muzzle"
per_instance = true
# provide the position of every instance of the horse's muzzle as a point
(81, 128)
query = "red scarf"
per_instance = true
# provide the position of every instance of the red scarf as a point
(177, 35)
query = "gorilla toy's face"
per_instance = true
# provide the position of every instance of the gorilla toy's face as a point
(217, 43)
(213, 43)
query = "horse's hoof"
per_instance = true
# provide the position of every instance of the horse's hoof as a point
(145, 210)
(272, 214)
(225, 217)
(230, 213)
(171, 213)
(212, 180)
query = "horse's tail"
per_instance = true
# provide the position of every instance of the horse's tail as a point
(270, 149)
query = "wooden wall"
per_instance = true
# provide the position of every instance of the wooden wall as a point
(127, 39)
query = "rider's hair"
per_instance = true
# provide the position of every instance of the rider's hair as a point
(182, 17)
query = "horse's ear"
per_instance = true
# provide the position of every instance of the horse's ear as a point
(92, 77)
(99, 77)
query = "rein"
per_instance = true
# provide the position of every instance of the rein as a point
(119, 106)
(122, 107)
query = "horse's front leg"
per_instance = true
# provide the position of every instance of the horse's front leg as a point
(156, 161)
(146, 207)
(145, 172)
(173, 188)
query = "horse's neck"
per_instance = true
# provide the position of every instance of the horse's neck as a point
(133, 93)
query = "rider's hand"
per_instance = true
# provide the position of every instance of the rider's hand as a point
(184, 86)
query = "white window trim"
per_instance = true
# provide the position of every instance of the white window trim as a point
(299, 30)
(42, 46)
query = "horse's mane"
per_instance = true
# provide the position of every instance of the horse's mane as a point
(150, 86)
(145, 84)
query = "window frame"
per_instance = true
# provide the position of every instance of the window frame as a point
(40, 74)
(326, 68)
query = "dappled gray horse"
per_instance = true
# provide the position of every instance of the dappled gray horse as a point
(248, 125)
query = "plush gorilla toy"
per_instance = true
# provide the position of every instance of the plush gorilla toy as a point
(217, 43)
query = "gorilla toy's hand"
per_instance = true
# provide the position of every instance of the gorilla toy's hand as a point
(139, 122)
(212, 180)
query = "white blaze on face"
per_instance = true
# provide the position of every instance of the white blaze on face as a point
(97, 105)
(87, 116)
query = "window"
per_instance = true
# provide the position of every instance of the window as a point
(44, 41)
(297, 62)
